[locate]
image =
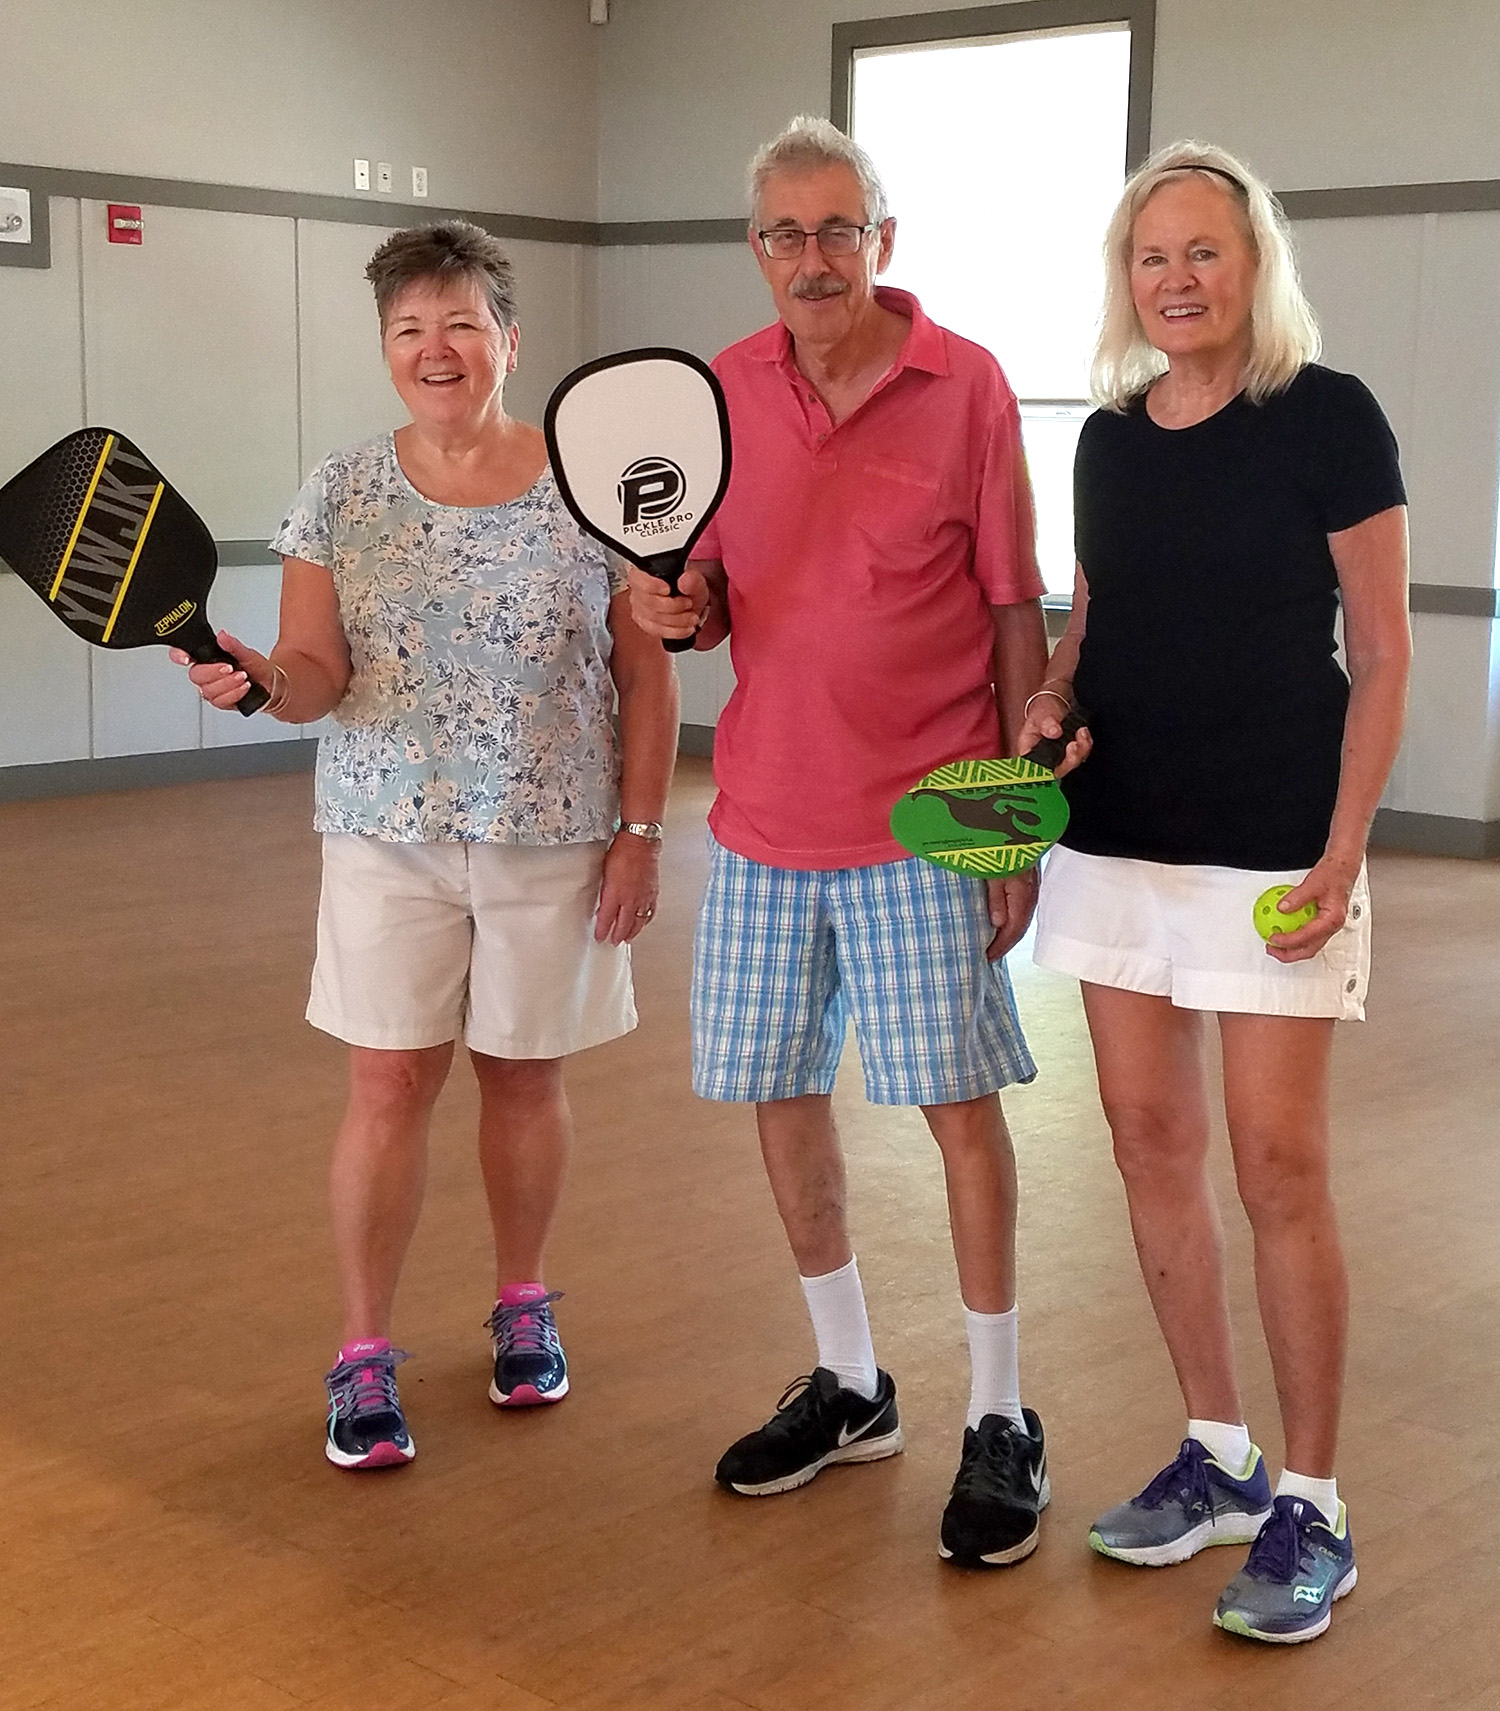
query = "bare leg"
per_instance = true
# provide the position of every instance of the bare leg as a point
(800, 1146)
(979, 1168)
(1276, 1095)
(525, 1131)
(1149, 1056)
(377, 1176)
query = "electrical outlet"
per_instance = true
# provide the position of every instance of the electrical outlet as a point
(361, 175)
(419, 181)
(383, 179)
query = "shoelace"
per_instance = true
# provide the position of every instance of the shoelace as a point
(799, 1405)
(1278, 1553)
(524, 1328)
(1187, 1477)
(988, 1458)
(367, 1385)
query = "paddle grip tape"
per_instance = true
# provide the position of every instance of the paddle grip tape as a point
(668, 567)
(254, 697)
(1050, 750)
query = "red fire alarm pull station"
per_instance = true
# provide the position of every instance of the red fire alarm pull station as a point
(124, 224)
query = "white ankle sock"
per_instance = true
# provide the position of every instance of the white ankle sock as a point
(995, 1379)
(836, 1303)
(1323, 1494)
(1229, 1445)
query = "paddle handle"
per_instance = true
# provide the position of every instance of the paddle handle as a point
(210, 653)
(1050, 750)
(668, 567)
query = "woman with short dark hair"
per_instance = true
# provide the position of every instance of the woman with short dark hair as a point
(469, 642)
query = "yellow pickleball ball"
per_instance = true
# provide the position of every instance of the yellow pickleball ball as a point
(1269, 919)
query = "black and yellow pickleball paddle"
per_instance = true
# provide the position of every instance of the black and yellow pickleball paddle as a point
(118, 555)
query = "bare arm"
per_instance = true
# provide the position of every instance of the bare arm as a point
(1045, 717)
(311, 656)
(646, 684)
(1371, 561)
(1020, 658)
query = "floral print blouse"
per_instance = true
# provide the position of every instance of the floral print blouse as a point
(480, 705)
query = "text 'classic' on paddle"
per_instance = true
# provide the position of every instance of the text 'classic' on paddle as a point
(639, 443)
(118, 555)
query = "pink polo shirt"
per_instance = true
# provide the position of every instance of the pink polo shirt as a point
(862, 562)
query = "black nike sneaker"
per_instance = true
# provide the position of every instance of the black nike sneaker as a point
(816, 1422)
(994, 1510)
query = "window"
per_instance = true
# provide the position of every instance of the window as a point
(1003, 159)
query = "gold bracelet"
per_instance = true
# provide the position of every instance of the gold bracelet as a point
(1056, 694)
(280, 690)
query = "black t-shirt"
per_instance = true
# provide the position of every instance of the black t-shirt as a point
(1207, 666)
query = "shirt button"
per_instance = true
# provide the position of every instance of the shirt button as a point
(1354, 913)
(1349, 985)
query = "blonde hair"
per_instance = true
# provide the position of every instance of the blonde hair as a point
(1284, 334)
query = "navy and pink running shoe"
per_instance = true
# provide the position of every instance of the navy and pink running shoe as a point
(530, 1366)
(366, 1427)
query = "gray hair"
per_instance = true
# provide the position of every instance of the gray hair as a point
(1284, 334)
(451, 249)
(808, 144)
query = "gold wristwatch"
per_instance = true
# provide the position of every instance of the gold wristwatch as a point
(650, 830)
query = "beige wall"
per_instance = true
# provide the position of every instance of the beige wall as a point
(495, 97)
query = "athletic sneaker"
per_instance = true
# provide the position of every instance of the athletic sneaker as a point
(1297, 1567)
(816, 1422)
(366, 1427)
(1192, 1503)
(530, 1366)
(994, 1511)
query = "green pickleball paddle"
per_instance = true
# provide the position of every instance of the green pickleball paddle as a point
(988, 818)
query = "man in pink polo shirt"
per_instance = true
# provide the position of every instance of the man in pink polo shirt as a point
(874, 568)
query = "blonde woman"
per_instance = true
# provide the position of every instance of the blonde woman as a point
(1231, 495)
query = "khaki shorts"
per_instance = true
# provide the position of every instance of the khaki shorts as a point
(419, 943)
(1186, 933)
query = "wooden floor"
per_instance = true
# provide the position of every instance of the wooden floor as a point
(170, 1535)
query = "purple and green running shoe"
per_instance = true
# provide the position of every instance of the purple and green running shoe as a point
(1297, 1569)
(1192, 1503)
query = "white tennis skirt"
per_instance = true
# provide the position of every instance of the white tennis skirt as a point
(1187, 933)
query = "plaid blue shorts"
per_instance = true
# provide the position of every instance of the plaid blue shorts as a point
(784, 957)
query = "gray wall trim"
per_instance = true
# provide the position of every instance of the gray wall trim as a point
(246, 552)
(144, 772)
(38, 253)
(1448, 599)
(695, 739)
(1019, 17)
(1456, 602)
(1356, 202)
(371, 210)
(1435, 834)
(1473, 196)
(616, 232)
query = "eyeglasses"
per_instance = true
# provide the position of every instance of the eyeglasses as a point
(786, 243)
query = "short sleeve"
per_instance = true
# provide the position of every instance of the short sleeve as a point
(307, 530)
(618, 569)
(1005, 535)
(1359, 461)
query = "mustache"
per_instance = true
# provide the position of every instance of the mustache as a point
(820, 286)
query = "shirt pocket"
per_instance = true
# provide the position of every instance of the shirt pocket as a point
(896, 500)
